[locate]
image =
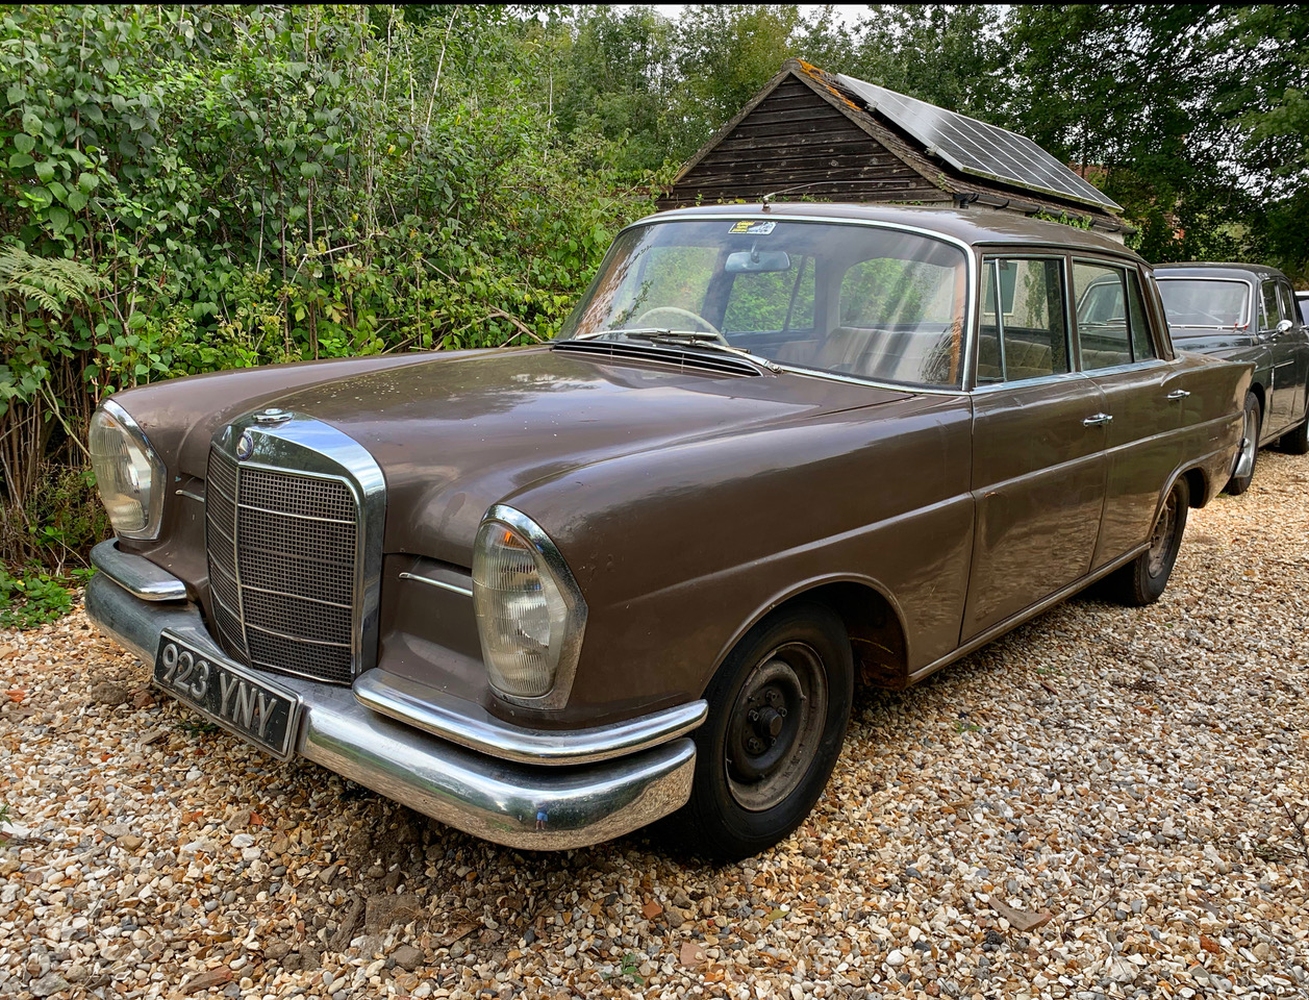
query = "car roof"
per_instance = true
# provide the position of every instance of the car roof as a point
(984, 227)
(1215, 269)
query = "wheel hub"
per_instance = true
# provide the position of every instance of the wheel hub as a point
(1162, 536)
(775, 726)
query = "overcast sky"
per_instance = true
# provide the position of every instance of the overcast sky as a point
(847, 12)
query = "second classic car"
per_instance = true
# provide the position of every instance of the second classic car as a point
(553, 594)
(1246, 312)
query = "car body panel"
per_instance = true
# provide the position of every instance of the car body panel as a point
(1280, 358)
(688, 501)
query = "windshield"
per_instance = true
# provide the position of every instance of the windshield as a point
(1203, 303)
(876, 303)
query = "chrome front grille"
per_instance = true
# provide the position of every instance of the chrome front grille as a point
(285, 555)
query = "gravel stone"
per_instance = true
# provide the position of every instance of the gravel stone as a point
(1143, 776)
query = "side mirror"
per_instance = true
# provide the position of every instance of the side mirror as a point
(1284, 325)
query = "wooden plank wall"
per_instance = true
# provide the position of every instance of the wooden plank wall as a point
(795, 137)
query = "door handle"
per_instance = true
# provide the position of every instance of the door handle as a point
(1097, 420)
(1178, 394)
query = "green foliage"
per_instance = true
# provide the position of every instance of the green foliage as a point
(196, 188)
(31, 599)
(953, 55)
(192, 188)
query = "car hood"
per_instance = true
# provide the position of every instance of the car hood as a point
(460, 432)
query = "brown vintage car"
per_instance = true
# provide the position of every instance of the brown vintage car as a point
(550, 595)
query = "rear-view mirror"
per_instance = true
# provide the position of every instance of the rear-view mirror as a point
(757, 260)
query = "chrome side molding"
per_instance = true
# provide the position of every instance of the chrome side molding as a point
(439, 584)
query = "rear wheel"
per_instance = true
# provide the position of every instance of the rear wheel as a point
(1243, 475)
(1142, 581)
(778, 709)
(1296, 440)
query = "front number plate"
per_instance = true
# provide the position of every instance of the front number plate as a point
(252, 708)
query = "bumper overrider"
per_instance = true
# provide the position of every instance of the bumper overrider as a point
(523, 788)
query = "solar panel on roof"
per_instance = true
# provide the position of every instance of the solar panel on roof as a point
(978, 148)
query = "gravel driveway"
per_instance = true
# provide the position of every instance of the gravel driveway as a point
(1105, 802)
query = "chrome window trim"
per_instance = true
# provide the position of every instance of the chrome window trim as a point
(1131, 366)
(988, 255)
(150, 531)
(422, 707)
(571, 651)
(1125, 270)
(985, 388)
(311, 449)
(970, 253)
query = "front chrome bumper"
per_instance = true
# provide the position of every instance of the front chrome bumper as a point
(552, 805)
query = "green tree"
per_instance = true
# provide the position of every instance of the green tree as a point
(1129, 92)
(953, 55)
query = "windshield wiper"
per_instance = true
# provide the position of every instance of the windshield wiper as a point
(643, 332)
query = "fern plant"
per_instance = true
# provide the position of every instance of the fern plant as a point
(49, 283)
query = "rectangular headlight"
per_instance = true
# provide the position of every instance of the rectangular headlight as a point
(128, 473)
(530, 612)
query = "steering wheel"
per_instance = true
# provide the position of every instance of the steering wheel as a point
(686, 314)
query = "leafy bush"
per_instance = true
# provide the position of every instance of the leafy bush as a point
(31, 600)
(199, 188)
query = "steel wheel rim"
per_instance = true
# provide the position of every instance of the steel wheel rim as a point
(1249, 444)
(1161, 540)
(784, 699)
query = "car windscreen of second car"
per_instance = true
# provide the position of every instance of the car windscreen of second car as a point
(1196, 305)
(873, 302)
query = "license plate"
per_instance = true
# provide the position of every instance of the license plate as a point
(253, 708)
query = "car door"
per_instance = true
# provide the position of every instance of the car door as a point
(1295, 342)
(1278, 333)
(1038, 445)
(1143, 400)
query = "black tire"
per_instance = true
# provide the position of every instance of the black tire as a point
(1249, 453)
(789, 680)
(1296, 440)
(1142, 581)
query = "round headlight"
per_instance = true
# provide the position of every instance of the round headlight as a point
(530, 613)
(128, 473)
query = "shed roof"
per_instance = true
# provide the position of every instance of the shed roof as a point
(822, 135)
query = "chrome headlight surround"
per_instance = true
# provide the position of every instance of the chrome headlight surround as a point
(128, 473)
(508, 600)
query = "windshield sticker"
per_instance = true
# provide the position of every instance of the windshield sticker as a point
(753, 228)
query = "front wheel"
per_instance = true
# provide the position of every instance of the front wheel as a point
(778, 709)
(1243, 474)
(1142, 581)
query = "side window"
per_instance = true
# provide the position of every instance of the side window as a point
(1102, 322)
(1022, 333)
(1270, 311)
(772, 301)
(1289, 308)
(1142, 344)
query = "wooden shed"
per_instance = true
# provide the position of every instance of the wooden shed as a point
(824, 136)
